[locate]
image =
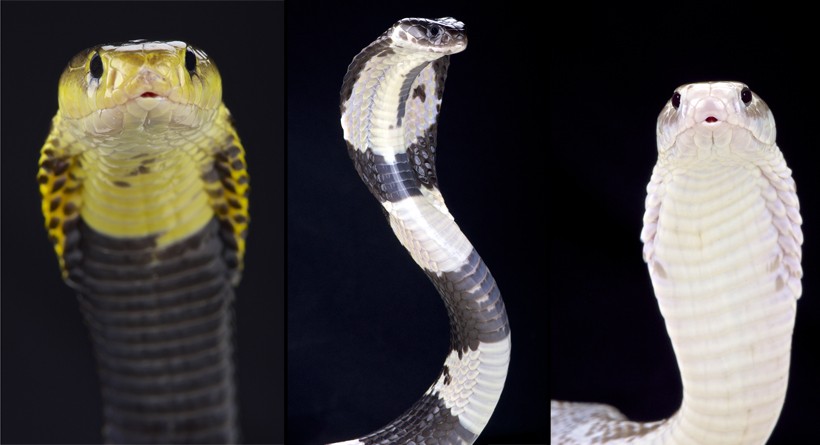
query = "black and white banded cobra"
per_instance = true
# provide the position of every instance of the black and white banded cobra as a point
(722, 241)
(145, 200)
(390, 101)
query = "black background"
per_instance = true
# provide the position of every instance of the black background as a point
(367, 332)
(50, 391)
(611, 72)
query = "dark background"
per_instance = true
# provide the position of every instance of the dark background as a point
(610, 74)
(49, 382)
(367, 331)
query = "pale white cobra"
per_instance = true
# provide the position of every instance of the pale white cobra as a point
(722, 242)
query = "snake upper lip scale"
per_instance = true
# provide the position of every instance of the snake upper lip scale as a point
(722, 241)
(390, 100)
(145, 196)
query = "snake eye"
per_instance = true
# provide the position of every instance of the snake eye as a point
(434, 31)
(746, 96)
(190, 61)
(676, 100)
(95, 67)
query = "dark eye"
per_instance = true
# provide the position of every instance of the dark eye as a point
(434, 32)
(190, 61)
(746, 96)
(676, 100)
(96, 67)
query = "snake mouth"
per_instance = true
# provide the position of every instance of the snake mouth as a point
(711, 119)
(149, 94)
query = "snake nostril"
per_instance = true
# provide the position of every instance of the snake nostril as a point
(711, 119)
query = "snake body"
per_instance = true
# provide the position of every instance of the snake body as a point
(390, 101)
(722, 242)
(145, 200)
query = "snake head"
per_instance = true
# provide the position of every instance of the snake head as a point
(701, 119)
(444, 36)
(139, 83)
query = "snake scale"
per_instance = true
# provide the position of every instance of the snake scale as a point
(144, 189)
(390, 101)
(722, 242)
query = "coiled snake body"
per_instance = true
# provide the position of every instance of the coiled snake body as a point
(722, 241)
(145, 199)
(390, 101)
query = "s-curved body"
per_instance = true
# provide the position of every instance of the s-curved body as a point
(145, 200)
(722, 242)
(390, 100)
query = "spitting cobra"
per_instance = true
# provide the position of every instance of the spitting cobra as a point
(390, 101)
(144, 191)
(722, 242)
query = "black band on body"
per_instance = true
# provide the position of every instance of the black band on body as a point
(161, 322)
(387, 181)
(472, 321)
(427, 422)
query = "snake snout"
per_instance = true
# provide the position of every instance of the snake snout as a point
(148, 83)
(710, 110)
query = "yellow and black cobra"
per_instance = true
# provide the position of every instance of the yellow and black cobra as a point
(145, 198)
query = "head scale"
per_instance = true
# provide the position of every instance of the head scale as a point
(714, 117)
(102, 83)
(445, 35)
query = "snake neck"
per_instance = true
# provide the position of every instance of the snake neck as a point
(374, 113)
(714, 239)
(145, 180)
(154, 275)
(161, 324)
(145, 193)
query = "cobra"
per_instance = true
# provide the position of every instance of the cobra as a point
(390, 101)
(144, 189)
(722, 241)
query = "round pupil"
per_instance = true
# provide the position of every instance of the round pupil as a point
(676, 100)
(190, 61)
(96, 67)
(746, 96)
